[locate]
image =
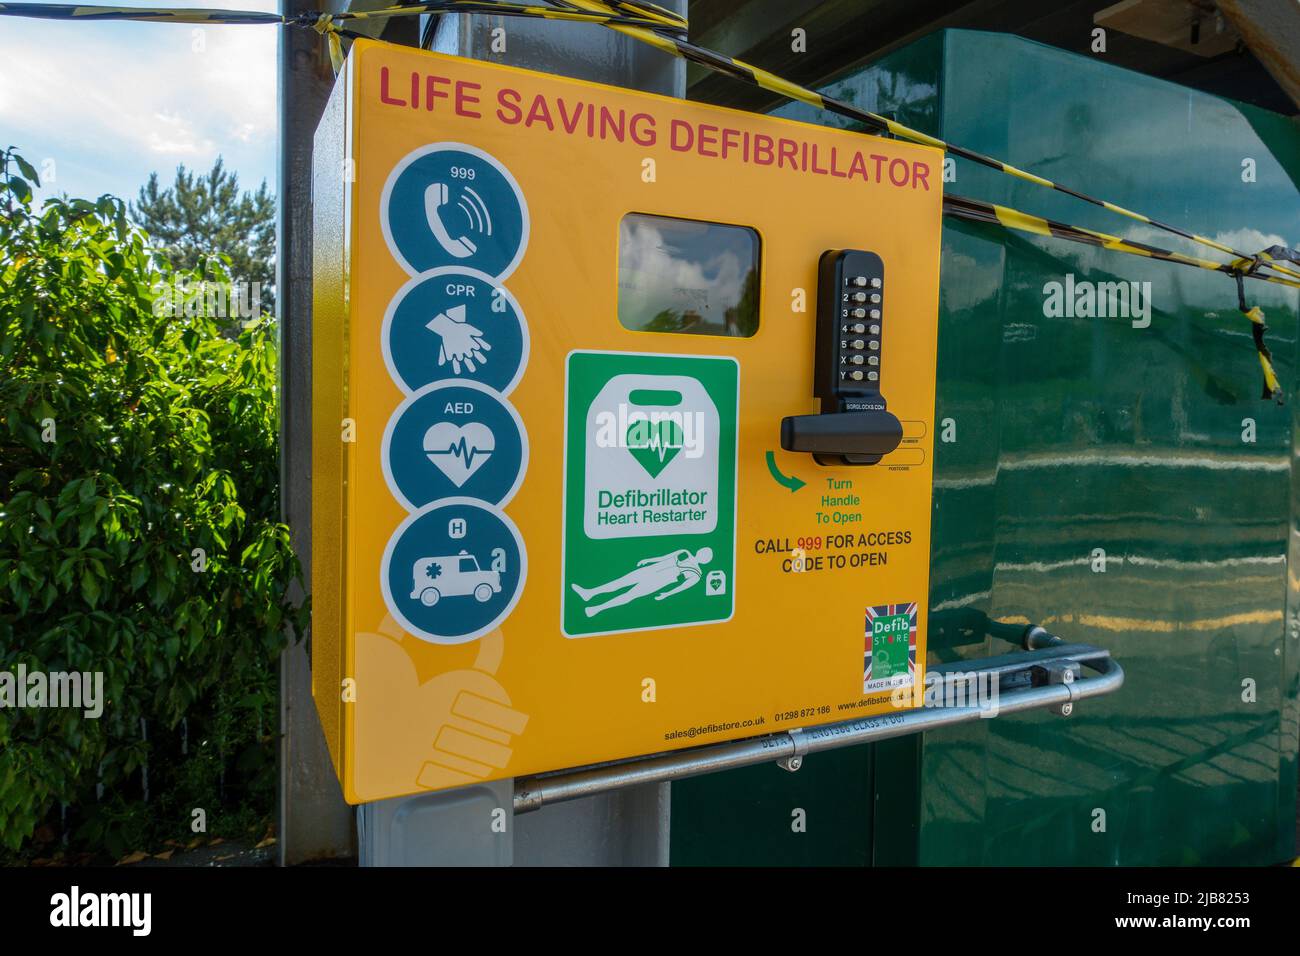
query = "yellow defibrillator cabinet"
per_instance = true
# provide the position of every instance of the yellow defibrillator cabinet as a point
(623, 420)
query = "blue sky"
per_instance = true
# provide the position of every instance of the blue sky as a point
(101, 105)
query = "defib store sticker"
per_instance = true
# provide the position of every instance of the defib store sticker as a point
(889, 657)
(649, 491)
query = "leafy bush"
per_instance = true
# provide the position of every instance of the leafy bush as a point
(139, 533)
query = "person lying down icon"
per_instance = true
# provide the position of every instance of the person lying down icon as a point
(675, 571)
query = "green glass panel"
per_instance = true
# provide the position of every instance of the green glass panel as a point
(1139, 438)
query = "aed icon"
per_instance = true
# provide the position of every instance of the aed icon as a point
(453, 204)
(452, 439)
(455, 323)
(448, 588)
(650, 491)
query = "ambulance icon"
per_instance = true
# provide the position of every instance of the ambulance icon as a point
(456, 576)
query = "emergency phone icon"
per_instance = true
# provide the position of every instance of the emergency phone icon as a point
(478, 219)
(454, 204)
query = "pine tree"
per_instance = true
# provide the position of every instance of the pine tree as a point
(202, 214)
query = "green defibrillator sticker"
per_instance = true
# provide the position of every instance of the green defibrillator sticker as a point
(649, 491)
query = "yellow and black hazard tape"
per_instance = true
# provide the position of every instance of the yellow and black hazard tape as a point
(649, 23)
(973, 209)
(70, 11)
(682, 47)
(666, 30)
(643, 15)
(1242, 264)
(331, 25)
(1257, 330)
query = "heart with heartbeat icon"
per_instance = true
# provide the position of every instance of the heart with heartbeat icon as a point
(654, 444)
(459, 450)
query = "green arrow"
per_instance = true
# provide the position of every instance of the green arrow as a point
(793, 483)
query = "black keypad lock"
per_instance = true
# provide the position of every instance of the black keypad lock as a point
(854, 427)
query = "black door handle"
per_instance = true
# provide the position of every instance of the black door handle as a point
(843, 438)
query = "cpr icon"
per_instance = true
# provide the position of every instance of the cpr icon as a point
(453, 571)
(454, 440)
(452, 204)
(455, 323)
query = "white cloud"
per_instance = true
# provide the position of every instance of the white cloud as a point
(1248, 241)
(111, 102)
(244, 132)
(968, 283)
(176, 134)
(146, 95)
(653, 272)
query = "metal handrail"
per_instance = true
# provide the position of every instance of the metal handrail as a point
(1019, 674)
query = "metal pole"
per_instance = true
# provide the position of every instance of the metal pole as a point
(313, 820)
(535, 792)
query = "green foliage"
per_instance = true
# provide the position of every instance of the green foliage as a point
(130, 438)
(204, 214)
